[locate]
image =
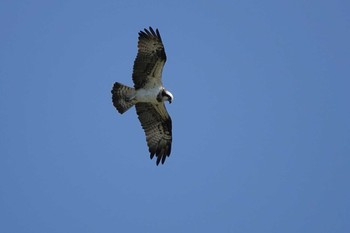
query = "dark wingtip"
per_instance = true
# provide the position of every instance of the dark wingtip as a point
(163, 159)
(161, 154)
(146, 31)
(152, 155)
(158, 160)
(158, 35)
(150, 33)
(169, 150)
(160, 157)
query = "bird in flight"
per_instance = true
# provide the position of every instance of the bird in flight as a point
(148, 94)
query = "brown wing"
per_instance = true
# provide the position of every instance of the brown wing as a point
(150, 59)
(157, 125)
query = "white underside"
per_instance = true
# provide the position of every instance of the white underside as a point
(148, 95)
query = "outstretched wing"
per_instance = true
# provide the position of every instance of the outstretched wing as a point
(150, 59)
(157, 125)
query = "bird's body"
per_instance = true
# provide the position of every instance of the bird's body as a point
(148, 94)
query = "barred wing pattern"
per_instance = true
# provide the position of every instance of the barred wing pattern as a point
(157, 125)
(150, 59)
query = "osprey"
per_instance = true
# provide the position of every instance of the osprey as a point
(148, 94)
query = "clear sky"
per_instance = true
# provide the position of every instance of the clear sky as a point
(260, 117)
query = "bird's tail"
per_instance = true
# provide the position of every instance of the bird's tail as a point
(123, 97)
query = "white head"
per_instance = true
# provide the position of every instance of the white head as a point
(165, 95)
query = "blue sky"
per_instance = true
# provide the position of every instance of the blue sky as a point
(260, 117)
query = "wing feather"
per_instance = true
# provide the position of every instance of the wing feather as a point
(157, 125)
(150, 59)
